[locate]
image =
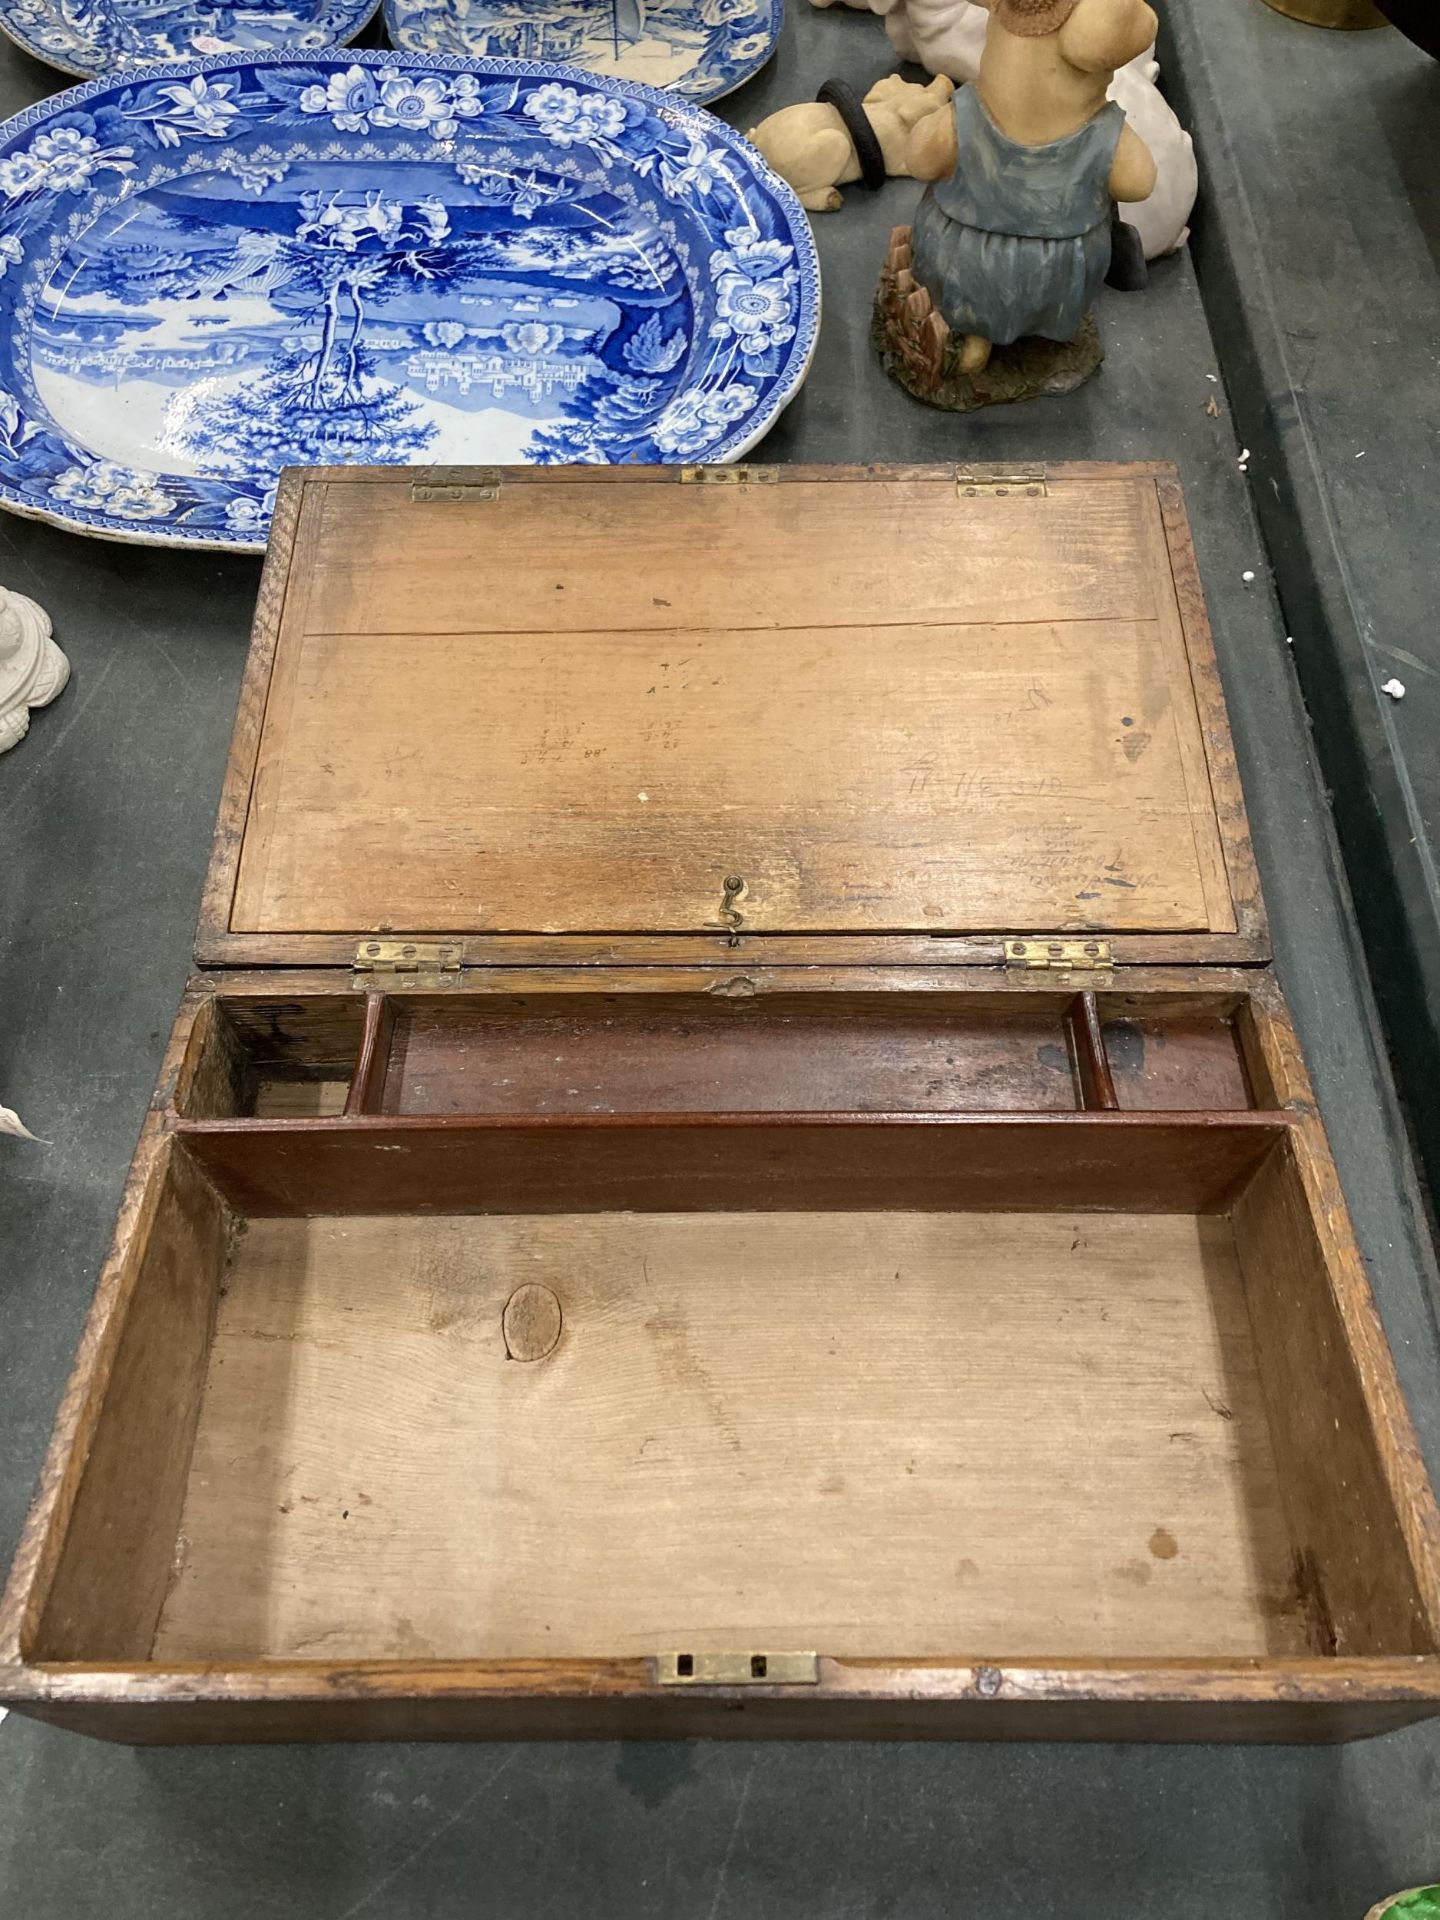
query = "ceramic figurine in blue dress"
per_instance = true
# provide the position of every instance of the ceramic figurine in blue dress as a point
(1017, 240)
(1013, 236)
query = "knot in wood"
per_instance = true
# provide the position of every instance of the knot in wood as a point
(531, 1322)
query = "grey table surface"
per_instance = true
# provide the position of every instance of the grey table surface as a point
(1318, 247)
(105, 820)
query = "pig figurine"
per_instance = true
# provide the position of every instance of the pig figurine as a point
(1012, 239)
(948, 36)
(813, 147)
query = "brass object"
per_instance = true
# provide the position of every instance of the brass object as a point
(1078, 954)
(1330, 13)
(737, 1669)
(418, 960)
(456, 483)
(730, 919)
(1000, 480)
(732, 476)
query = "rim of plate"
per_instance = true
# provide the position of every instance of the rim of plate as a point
(57, 65)
(389, 8)
(94, 525)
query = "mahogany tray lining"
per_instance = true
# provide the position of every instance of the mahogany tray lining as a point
(596, 1053)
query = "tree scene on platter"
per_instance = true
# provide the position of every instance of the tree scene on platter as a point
(573, 278)
(699, 48)
(333, 324)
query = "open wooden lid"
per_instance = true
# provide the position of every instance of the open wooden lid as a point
(554, 714)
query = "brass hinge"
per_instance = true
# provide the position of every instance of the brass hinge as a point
(737, 1669)
(1080, 955)
(416, 959)
(973, 481)
(733, 476)
(457, 483)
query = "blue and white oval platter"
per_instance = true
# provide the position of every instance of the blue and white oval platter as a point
(92, 37)
(698, 49)
(213, 272)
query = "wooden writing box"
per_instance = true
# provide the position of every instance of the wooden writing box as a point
(734, 1165)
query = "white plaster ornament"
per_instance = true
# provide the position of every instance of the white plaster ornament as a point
(33, 670)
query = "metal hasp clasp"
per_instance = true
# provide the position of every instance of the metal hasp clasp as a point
(729, 918)
(737, 1669)
(1078, 955)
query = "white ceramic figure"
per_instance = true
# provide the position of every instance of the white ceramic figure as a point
(944, 36)
(33, 670)
(948, 36)
(1163, 221)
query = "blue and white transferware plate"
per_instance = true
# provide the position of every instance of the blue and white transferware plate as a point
(699, 49)
(90, 37)
(213, 272)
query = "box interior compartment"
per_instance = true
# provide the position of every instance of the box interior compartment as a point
(272, 1057)
(575, 1052)
(397, 1389)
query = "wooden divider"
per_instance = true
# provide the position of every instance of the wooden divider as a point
(1087, 1045)
(367, 1082)
(1106, 1161)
